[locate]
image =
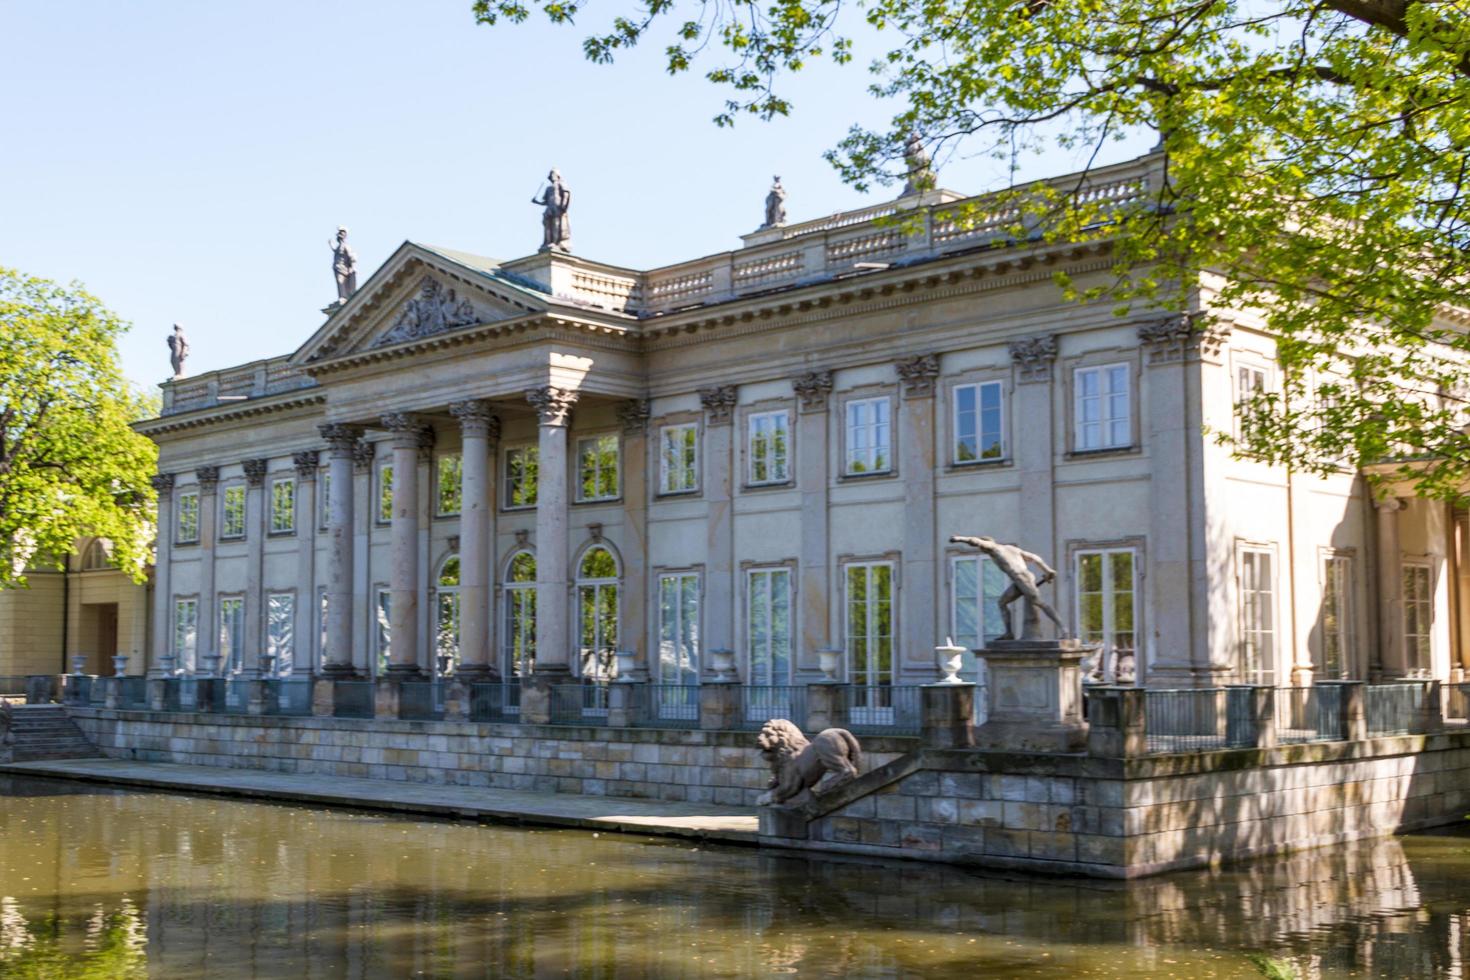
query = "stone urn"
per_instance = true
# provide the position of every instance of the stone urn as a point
(624, 664)
(830, 662)
(267, 664)
(950, 659)
(79, 664)
(168, 663)
(211, 664)
(120, 665)
(722, 662)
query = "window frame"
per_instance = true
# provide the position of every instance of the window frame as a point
(1412, 664)
(531, 450)
(691, 670)
(1074, 429)
(617, 449)
(599, 586)
(793, 630)
(181, 662)
(978, 385)
(324, 497)
(845, 448)
(383, 492)
(892, 564)
(1109, 594)
(787, 459)
(509, 590)
(273, 529)
(267, 640)
(1345, 614)
(227, 493)
(380, 626)
(1267, 673)
(1257, 364)
(179, 510)
(234, 661)
(694, 467)
(438, 471)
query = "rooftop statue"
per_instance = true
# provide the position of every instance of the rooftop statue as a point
(178, 350)
(344, 265)
(919, 167)
(556, 227)
(775, 205)
(1024, 585)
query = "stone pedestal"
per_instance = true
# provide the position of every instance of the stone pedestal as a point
(719, 705)
(1034, 699)
(76, 689)
(386, 696)
(323, 697)
(208, 691)
(157, 694)
(256, 697)
(824, 708)
(40, 688)
(536, 693)
(781, 821)
(1250, 716)
(457, 700)
(1117, 727)
(947, 716)
(627, 703)
(113, 696)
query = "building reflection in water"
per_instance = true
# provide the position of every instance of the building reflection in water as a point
(118, 883)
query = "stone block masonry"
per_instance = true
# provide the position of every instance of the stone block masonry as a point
(679, 766)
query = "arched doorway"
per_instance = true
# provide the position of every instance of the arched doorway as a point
(518, 644)
(597, 614)
(446, 616)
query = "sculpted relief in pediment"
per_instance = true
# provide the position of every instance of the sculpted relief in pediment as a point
(434, 309)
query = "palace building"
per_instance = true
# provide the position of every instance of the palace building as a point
(480, 466)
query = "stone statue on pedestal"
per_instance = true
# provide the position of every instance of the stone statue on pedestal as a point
(920, 170)
(344, 266)
(800, 767)
(775, 205)
(556, 227)
(1024, 585)
(178, 350)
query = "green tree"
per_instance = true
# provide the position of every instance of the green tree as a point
(1315, 168)
(69, 463)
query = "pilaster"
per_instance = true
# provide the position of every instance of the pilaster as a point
(633, 415)
(919, 616)
(1035, 449)
(207, 637)
(254, 556)
(163, 485)
(553, 636)
(307, 613)
(813, 390)
(719, 585)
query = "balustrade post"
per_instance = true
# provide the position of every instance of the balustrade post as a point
(1431, 713)
(628, 702)
(1117, 721)
(825, 707)
(947, 715)
(1263, 711)
(719, 704)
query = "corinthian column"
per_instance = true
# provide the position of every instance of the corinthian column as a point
(553, 638)
(207, 637)
(1390, 589)
(163, 483)
(337, 657)
(479, 429)
(254, 556)
(403, 582)
(307, 612)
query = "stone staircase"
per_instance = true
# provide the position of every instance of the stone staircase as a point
(44, 731)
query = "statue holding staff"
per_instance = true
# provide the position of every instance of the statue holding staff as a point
(1024, 584)
(556, 227)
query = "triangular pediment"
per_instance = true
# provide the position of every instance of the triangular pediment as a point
(418, 293)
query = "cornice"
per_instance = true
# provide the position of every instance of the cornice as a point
(217, 414)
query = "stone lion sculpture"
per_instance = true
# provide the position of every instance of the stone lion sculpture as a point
(799, 766)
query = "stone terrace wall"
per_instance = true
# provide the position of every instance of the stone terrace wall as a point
(1116, 818)
(693, 766)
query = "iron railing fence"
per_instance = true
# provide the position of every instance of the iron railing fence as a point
(1309, 714)
(881, 709)
(1395, 708)
(759, 705)
(663, 705)
(1192, 720)
(495, 702)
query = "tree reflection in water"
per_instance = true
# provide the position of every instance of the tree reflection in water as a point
(111, 883)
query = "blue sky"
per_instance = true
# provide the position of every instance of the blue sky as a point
(189, 161)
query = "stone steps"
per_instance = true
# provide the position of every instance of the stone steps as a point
(44, 731)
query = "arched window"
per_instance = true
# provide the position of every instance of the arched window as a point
(96, 556)
(446, 619)
(597, 613)
(520, 615)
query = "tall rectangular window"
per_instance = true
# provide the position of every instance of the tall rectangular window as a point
(520, 616)
(448, 476)
(186, 633)
(768, 626)
(382, 629)
(1106, 586)
(385, 493)
(975, 617)
(1338, 651)
(678, 628)
(280, 630)
(870, 623)
(1418, 616)
(1103, 414)
(321, 626)
(597, 468)
(869, 436)
(232, 513)
(521, 466)
(187, 531)
(1257, 582)
(283, 505)
(769, 448)
(678, 467)
(978, 422)
(232, 633)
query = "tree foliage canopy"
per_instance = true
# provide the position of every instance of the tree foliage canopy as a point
(70, 466)
(1317, 155)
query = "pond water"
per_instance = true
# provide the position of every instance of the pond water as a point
(100, 882)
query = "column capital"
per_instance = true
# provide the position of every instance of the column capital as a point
(718, 402)
(425, 441)
(255, 471)
(813, 388)
(1033, 356)
(163, 483)
(1183, 337)
(1388, 504)
(339, 437)
(634, 414)
(363, 454)
(553, 405)
(476, 419)
(918, 374)
(306, 463)
(208, 477)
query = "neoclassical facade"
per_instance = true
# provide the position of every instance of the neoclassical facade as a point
(480, 466)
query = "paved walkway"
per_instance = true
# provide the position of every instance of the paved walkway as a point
(737, 824)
